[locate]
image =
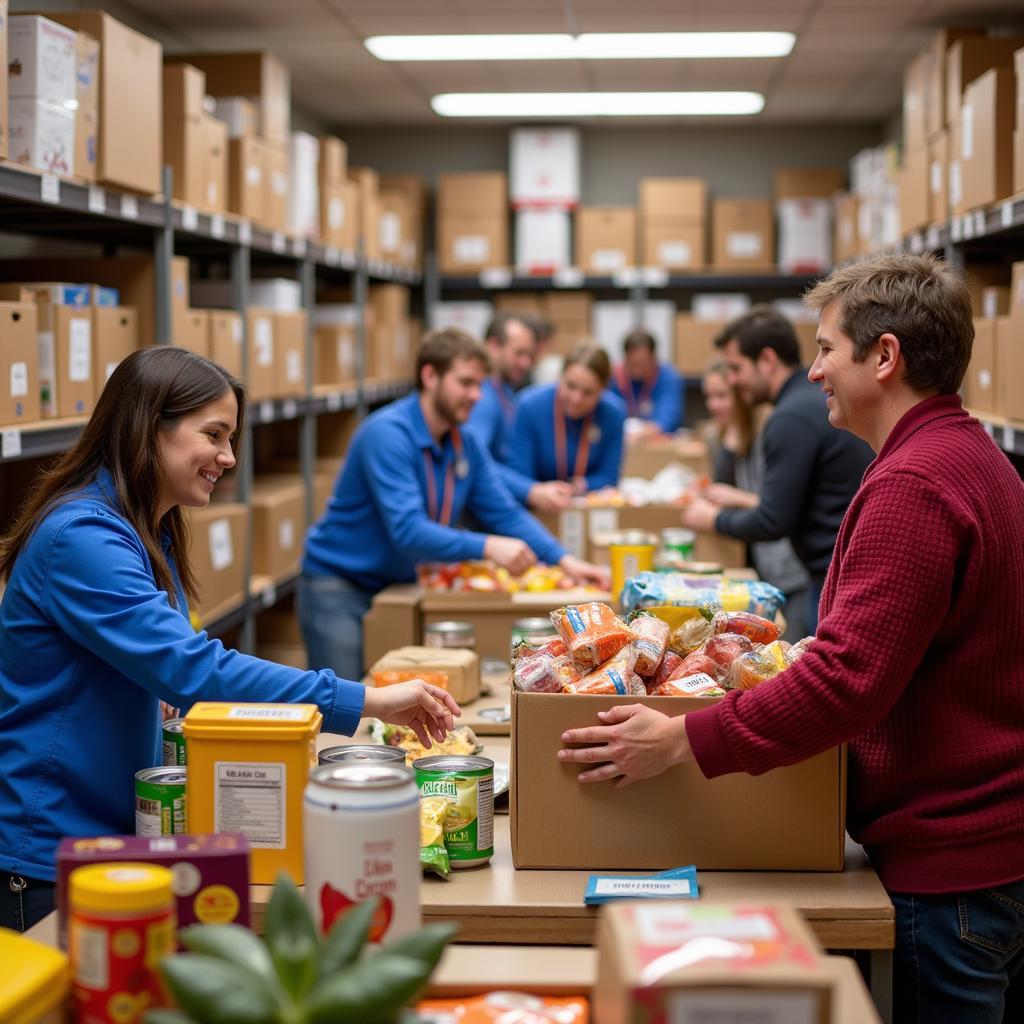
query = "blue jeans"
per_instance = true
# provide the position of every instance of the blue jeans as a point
(331, 614)
(24, 901)
(959, 957)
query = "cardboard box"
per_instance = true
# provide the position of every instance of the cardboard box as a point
(393, 620)
(467, 246)
(969, 58)
(1018, 160)
(789, 819)
(323, 488)
(915, 191)
(42, 135)
(809, 182)
(185, 153)
(367, 208)
(290, 352)
(986, 129)
(805, 235)
(468, 195)
(936, 113)
(130, 103)
(226, 340)
(938, 177)
(248, 177)
(1009, 360)
(87, 91)
(695, 344)
(41, 60)
(215, 164)
(544, 165)
(217, 555)
(398, 236)
(744, 234)
(278, 524)
(115, 335)
(542, 240)
(846, 241)
(674, 198)
(1018, 68)
(915, 86)
(339, 220)
(564, 306)
(979, 387)
(277, 196)
(3, 78)
(239, 114)
(605, 238)
(263, 367)
(722, 962)
(334, 355)
(414, 189)
(19, 364)
(184, 88)
(461, 666)
(303, 194)
(333, 167)
(646, 458)
(389, 332)
(673, 244)
(995, 301)
(193, 332)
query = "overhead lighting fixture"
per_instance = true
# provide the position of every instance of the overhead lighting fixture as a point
(588, 46)
(596, 104)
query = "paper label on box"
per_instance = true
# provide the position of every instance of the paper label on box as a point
(221, 553)
(286, 534)
(346, 357)
(984, 380)
(661, 927)
(258, 714)
(743, 245)
(293, 366)
(80, 351)
(236, 330)
(249, 797)
(289, 409)
(49, 189)
(732, 1007)
(189, 218)
(253, 175)
(46, 354)
(216, 220)
(10, 443)
(967, 132)
(336, 213)
(390, 232)
(129, 207)
(471, 248)
(97, 199)
(571, 531)
(643, 887)
(19, 380)
(263, 341)
(608, 259)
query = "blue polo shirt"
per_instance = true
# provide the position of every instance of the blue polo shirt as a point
(377, 526)
(491, 420)
(665, 404)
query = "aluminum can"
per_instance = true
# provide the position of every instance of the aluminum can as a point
(450, 634)
(364, 752)
(174, 742)
(160, 801)
(468, 782)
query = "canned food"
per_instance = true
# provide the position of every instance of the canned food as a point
(630, 552)
(174, 742)
(679, 541)
(538, 628)
(450, 634)
(364, 752)
(361, 822)
(468, 782)
(160, 801)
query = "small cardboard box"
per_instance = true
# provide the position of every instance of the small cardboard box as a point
(248, 177)
(277, 194)
(937, 114)
(1009, 360)
(938, 177)
(646, 458)
(471, 195)
(115, 335)
(87, 91)
(468, 244)
(72, 346)
(915, 190)
(194, 332)
(278, 524)
(339, 221)
(674, 198)
(226, 340)
(605, 238)
(979, 386)
(217, 555)
(915, 86)
(461, 666)
(682, 961)
(967, 59)
(393, 621)
(789, 819)
(809, 182)
(695, 343)
(397, 242)
(19, 363)
(986, 132)
(334, 355)
(263, 382)
(290, 352)
(744, 234)
(184, 88)
(995, 301)
(215, 164)
(672, 244)
(333, 165)
(185, 153)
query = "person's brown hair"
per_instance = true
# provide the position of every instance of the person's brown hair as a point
(742, 414)
(920, 299)
(440, 348)
(593, 358)
(148, 393)
(762, 327)
(640, 339)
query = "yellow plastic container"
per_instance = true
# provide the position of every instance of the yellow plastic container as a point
(247, 769)
(35, 981)
(630, 552)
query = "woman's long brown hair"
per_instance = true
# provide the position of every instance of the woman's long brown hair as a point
(149, 392)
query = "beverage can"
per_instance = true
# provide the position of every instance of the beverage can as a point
(174, 742)
(160, 801)
(468, 783)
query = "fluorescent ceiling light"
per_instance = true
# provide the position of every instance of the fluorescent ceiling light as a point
(589, 46)
(596, 104)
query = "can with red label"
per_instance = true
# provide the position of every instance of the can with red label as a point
(362, 839)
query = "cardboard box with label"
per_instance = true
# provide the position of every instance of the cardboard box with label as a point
(605, 238)
(87, 92)
(695, 343)
(915, 190)
(262, 382)
(226, 340)
(279, 525)
(938, 177)
(215, 164)
(744, 234)
(290, 352)
(937, 114)
(789, 819)
(194, 332)
(42, 60)
(967, 59)
(303, 191)
(217, 556)
(545, 167)
(115, 335)
(413, 189)
(334, 355)
(461, 666)
(338, 222)
(238, 113)
(248, 177)
(42, 135)
(472, 222)
(809, 182)
(542, 240)
(679, 198)
(277, 194)
(1009, 360)
(19, 363)
(366, 208)
(986, 134)
(805, 235)
(979, 387)
(915, 86)
(672, 244)
(333, 165)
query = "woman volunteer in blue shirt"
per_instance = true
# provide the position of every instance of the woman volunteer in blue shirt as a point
(571, 430)
(94, 623)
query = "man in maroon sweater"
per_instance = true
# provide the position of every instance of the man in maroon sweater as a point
(916, 662)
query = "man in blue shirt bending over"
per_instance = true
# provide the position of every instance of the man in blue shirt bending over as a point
(412, 473)
(652, 391)
(512, 345)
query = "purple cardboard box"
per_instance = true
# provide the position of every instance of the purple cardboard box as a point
(211, 872)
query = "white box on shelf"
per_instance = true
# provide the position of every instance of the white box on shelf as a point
(805, 235)
(303, 187)
(613, 320)
(278, 293)
(545, 166)
(543, 240)
(42, 61)
(336, 314)
(41, 135)
(719, 306)
(473, 317)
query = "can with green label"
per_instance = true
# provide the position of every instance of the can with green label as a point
(681, 543)
(174, 742)
(468, 782)
(160, 801)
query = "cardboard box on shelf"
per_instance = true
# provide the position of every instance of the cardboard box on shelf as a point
(542, 240)
(262, 382)
(846, 242)
(87, 90)
(954, 167)
(809, 182)
(217, 555)
(673, 244)
(995, 301)
(226, 340)
(544, 165)
(464, 196)
(333, 166)
(561, 307)
(461, 666)
(979, 387)
(915, 191)
(41, 60)
(986, 131)
(805, 235)
(519, 303)
(467, 246)
(323, 488)
(184, 88)
(1009, 360)
(115, 335)
(278, 523)
(42, 135)
(334, 355)
(238, 113)
(338, 214)
(744, 234)
(915, 86)
(789, 819)
(303, 194)
(673, 198)
(277, 193)
(3, 78)
(967, 59)
(248, 177)
(936, 113)
(605, 238)
(1018, 69)
(193, 332)
(19, 363)
(185, 153)
(72, 349)
(938, 177)
(695, 343)
(1018, 160)
(290, 352)
(414, 190)
(130, 104)
(367, 208)
(215, 164)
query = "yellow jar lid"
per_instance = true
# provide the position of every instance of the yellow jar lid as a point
(35, 981)
(120, 886)
(226, 720)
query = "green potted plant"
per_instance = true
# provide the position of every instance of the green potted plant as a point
(291, 975)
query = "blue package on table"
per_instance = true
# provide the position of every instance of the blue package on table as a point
(674, 884)
(678, 590)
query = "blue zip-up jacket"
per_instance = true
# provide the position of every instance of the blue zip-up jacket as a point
(532, 447)
(89, 646)
(377, 526)
(665, 404)
(491, 420)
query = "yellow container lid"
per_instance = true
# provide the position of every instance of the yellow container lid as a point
(120, 886)
(228, 720)
(35, 979)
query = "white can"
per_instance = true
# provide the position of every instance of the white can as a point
(362, 839)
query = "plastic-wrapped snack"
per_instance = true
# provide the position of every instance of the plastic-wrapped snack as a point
(752, 669)
(756, 629)
(725, 648)
(699, 685)
(691, 634)
(433, 852)
(696, 663)
(655, 589)
(501, 1008)
(543, 668)
(797, 651)
(615, 676)
(592, 632)
(650, 638)
(666, 670)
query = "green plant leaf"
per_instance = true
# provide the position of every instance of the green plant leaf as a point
(425, 945)
(370, 992)
(232, 943)
(164, 1016)
(214, 991)
(347, 937)
(291, 937)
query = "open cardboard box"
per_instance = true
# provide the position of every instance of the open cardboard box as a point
(647, 457)
(789, 819)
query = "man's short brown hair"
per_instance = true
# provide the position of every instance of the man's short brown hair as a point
(920, 299)
(442, 347)
(593, 358)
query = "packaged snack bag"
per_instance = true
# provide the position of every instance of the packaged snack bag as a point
(678, 590)
(650, 638)
(752, 669)
(666, 670)
(694, 664)
(725, 648)
(592, 632)
(796, 652)
(699, 685)
(755, 628)
(388, 677)
(543, 668)
(501, 1008)
(691, 634)
(615, 676)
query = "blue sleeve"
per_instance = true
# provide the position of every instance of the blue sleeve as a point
(524, 444)
(393, 471)
(609, 452)
(100, 591)
(668, 402)
(613, 387)
(517, 484)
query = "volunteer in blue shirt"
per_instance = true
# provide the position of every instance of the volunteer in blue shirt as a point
(410, 475)
(652, 391)
(94, 624)
(512, 345)
(572, 430)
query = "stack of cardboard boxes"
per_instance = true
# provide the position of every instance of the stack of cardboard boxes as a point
(472, 222)
(992, 383)
(390, 342)
(673, 223)
(366, 182)
(403, 211)
(337, 195)
(605, 239)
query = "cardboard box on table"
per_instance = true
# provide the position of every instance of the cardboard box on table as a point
(460, 665)
(217, 555)
(647, 458)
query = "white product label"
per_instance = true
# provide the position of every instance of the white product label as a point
(608, 259)
(108, 370)
(293, 366)
(956, 190)
(279, 183)
(236, 330)
(336, 213)
(332, 256)
(97, 199)
(334, 401)
(568, 277)
(221, 552)
(744, 245)
(278, 242)
(675, 253)
(967, 132)
(49, 189)
(346, 356)
(10, 443)
(264, 714)
(269, 597)
(189, 218)
(933, 238)
(245, 232)
(936, 177)
(655, 277)
(1006, 215)
(129, 207)
(603, 520)
(266, 411)
(980, 226)
(967, 226)
(643, 887)
(216, 221)
(670, 928)
(46, 355)
(742, 1008)
(92, 960)
(253, 175)
(1008, 439)
(290, 408)
(956, 229)
(19, 380)
(390, 232)
(495, 277)
(80, 351)
(693, 684)
(471, 248)
(263, 341)
(984, 380)
(286, 534)
(250, 798)
(571, 531)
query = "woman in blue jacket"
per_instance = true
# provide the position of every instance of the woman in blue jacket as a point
(94, 623)
(571, 430)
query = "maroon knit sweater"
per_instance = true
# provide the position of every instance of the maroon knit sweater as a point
(918, 664)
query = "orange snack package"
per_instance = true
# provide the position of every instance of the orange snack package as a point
(752, 669)
(502, 1008)
(592, 632)
(543, 667)
(389, 677)
(755, 628)
(615, 676)
(650, 638)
